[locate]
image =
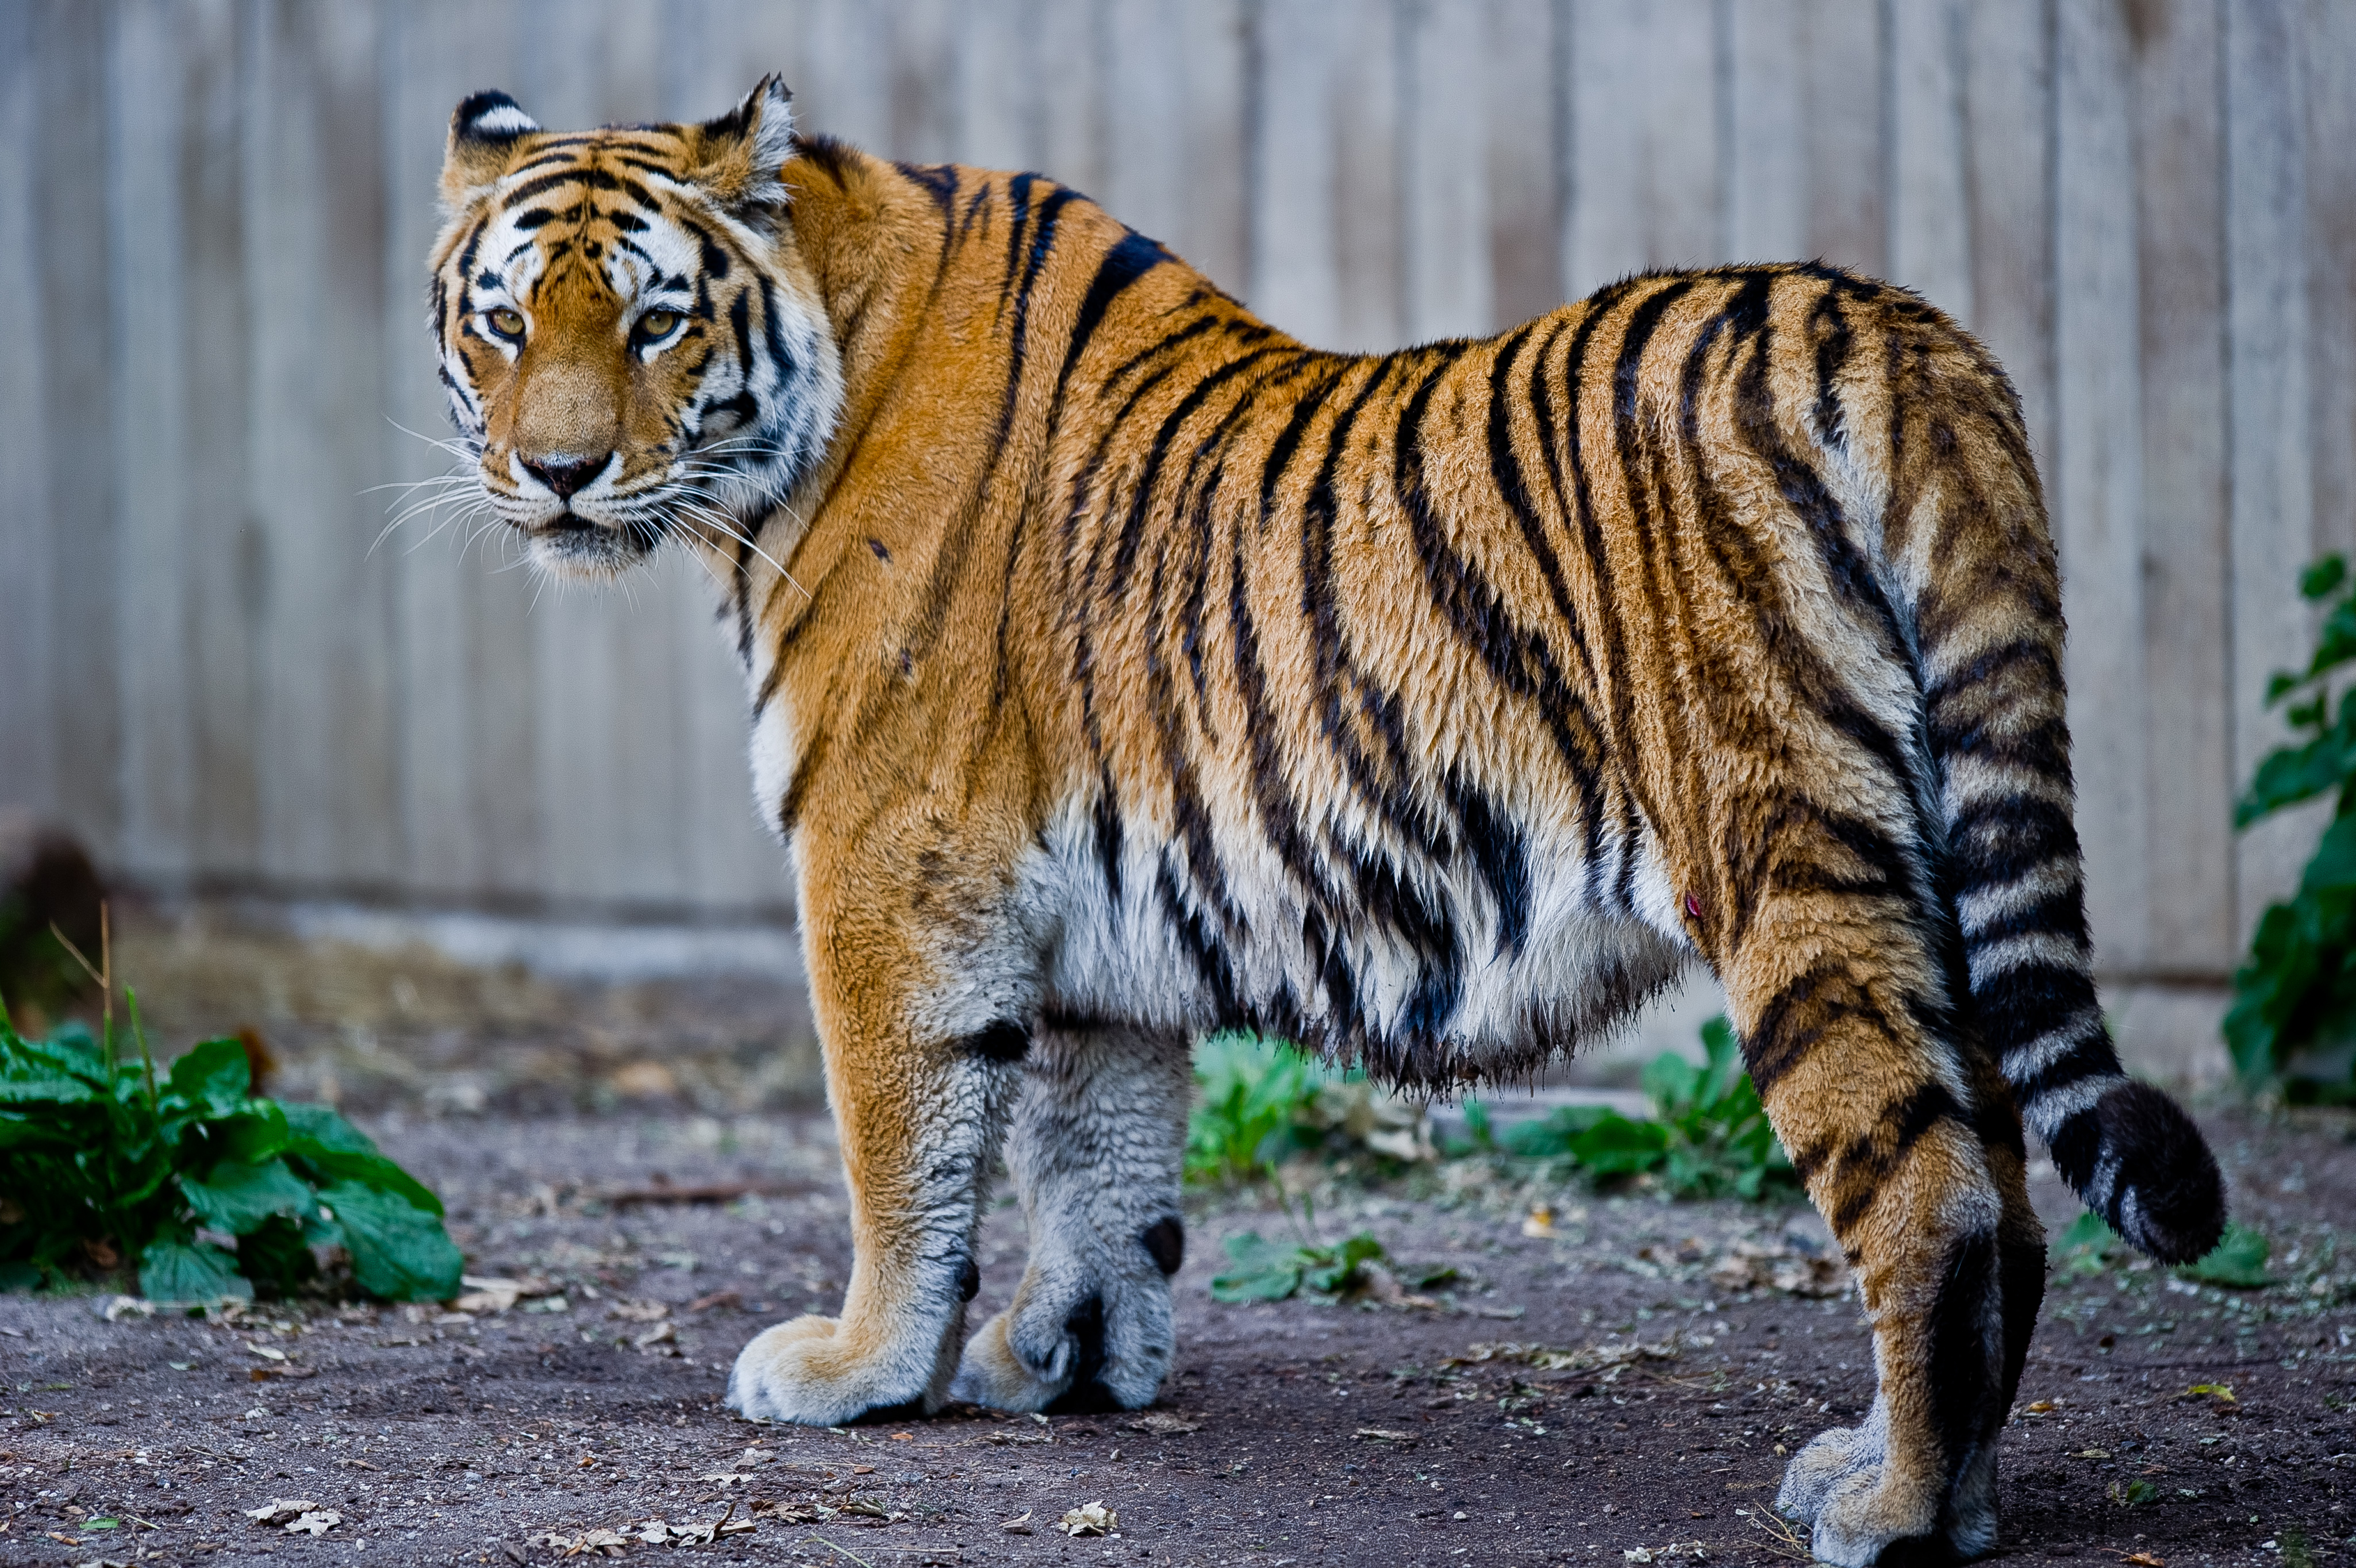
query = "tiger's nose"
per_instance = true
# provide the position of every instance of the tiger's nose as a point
(565, 476)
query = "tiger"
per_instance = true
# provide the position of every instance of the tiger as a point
(1121, 670)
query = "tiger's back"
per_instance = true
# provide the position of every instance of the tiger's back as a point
(1123, 669)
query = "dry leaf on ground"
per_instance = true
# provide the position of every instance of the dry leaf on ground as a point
(1751, 1265)
(639, 1311)
(1379, 1435)
(1095, 1518)
(316, 1521)
(1164, 1424)
(277, 1510)
(1019, 1525)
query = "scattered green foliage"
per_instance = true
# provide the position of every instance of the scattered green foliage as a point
(2133, 1493)
(1271, 1271)
(205, 1190)
(2293, 1015)
(2238, 1261)
(1709, 1135)
(1258, 1102)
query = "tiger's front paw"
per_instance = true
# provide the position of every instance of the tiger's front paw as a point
(1076, 1344)
(809, 1370)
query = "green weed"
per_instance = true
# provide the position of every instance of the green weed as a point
(2238, 1261)
(2293, 1015)
(1258, 1102)
(103, 1163)
(1271, 1271)
(1709, 1135)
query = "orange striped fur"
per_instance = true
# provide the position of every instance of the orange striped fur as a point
(1122, 669)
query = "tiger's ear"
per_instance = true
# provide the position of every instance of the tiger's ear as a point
(483, 134)
(740, 155)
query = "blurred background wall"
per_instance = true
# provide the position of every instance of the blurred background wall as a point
(213, 216)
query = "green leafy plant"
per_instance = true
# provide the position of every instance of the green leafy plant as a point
(1709, 1135)
(1272, 1271)
(2293, 1013)
(2238, 1260)
(105, 1164)
(1258, 1102)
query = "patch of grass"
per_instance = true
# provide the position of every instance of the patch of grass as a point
(190, 1184)
(1261, 1269)
(1709, 1135)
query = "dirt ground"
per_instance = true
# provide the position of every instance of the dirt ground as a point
(1290, 1432)
(1615, 1384)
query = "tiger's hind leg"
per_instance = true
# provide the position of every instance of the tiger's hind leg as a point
(1911, 1149)
(1096, 1151)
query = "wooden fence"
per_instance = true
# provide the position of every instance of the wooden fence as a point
(213, 215)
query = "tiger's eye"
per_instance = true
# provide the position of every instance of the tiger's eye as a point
(507, 323)
(656, 325)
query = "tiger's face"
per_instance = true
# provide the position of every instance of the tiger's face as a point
(632, 348)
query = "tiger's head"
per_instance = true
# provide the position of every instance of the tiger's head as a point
(632, 346)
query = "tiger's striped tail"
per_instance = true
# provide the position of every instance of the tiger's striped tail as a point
(1990, 629)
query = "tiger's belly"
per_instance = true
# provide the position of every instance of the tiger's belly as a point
(1429, 970)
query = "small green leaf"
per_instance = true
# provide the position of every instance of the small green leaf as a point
(237, 1197)
(338, 1151)
(400, 1251)
(211, 1079)
(191, 1271)
(1263, 1271)
(1616, 1145)
(56, 1071)
(2237, 1261)
(2320, 579)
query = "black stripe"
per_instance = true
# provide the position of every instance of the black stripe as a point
(1130, 259)
(2003, 840)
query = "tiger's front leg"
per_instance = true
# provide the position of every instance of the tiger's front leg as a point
(920, 1102)
(1097, 1146)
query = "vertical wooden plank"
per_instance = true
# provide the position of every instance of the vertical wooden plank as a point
(1295, 275)
(1443, 136)
(2008, 162)
(224, 551)
(1843, 73)
(1174, 128)
(2097, 488)
(2329, 53)
(147, 114)
(2272, 472)
(848, 71)
(1767, 176)
(1069, 57)
(2181, 264)
(999, 91)
(1930, 210)
(77, 358)
(1369, 214)
(927, 109)
(1519, 86)
(314, 256)
(715, 51)
(1645, 139)
(27, 746)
